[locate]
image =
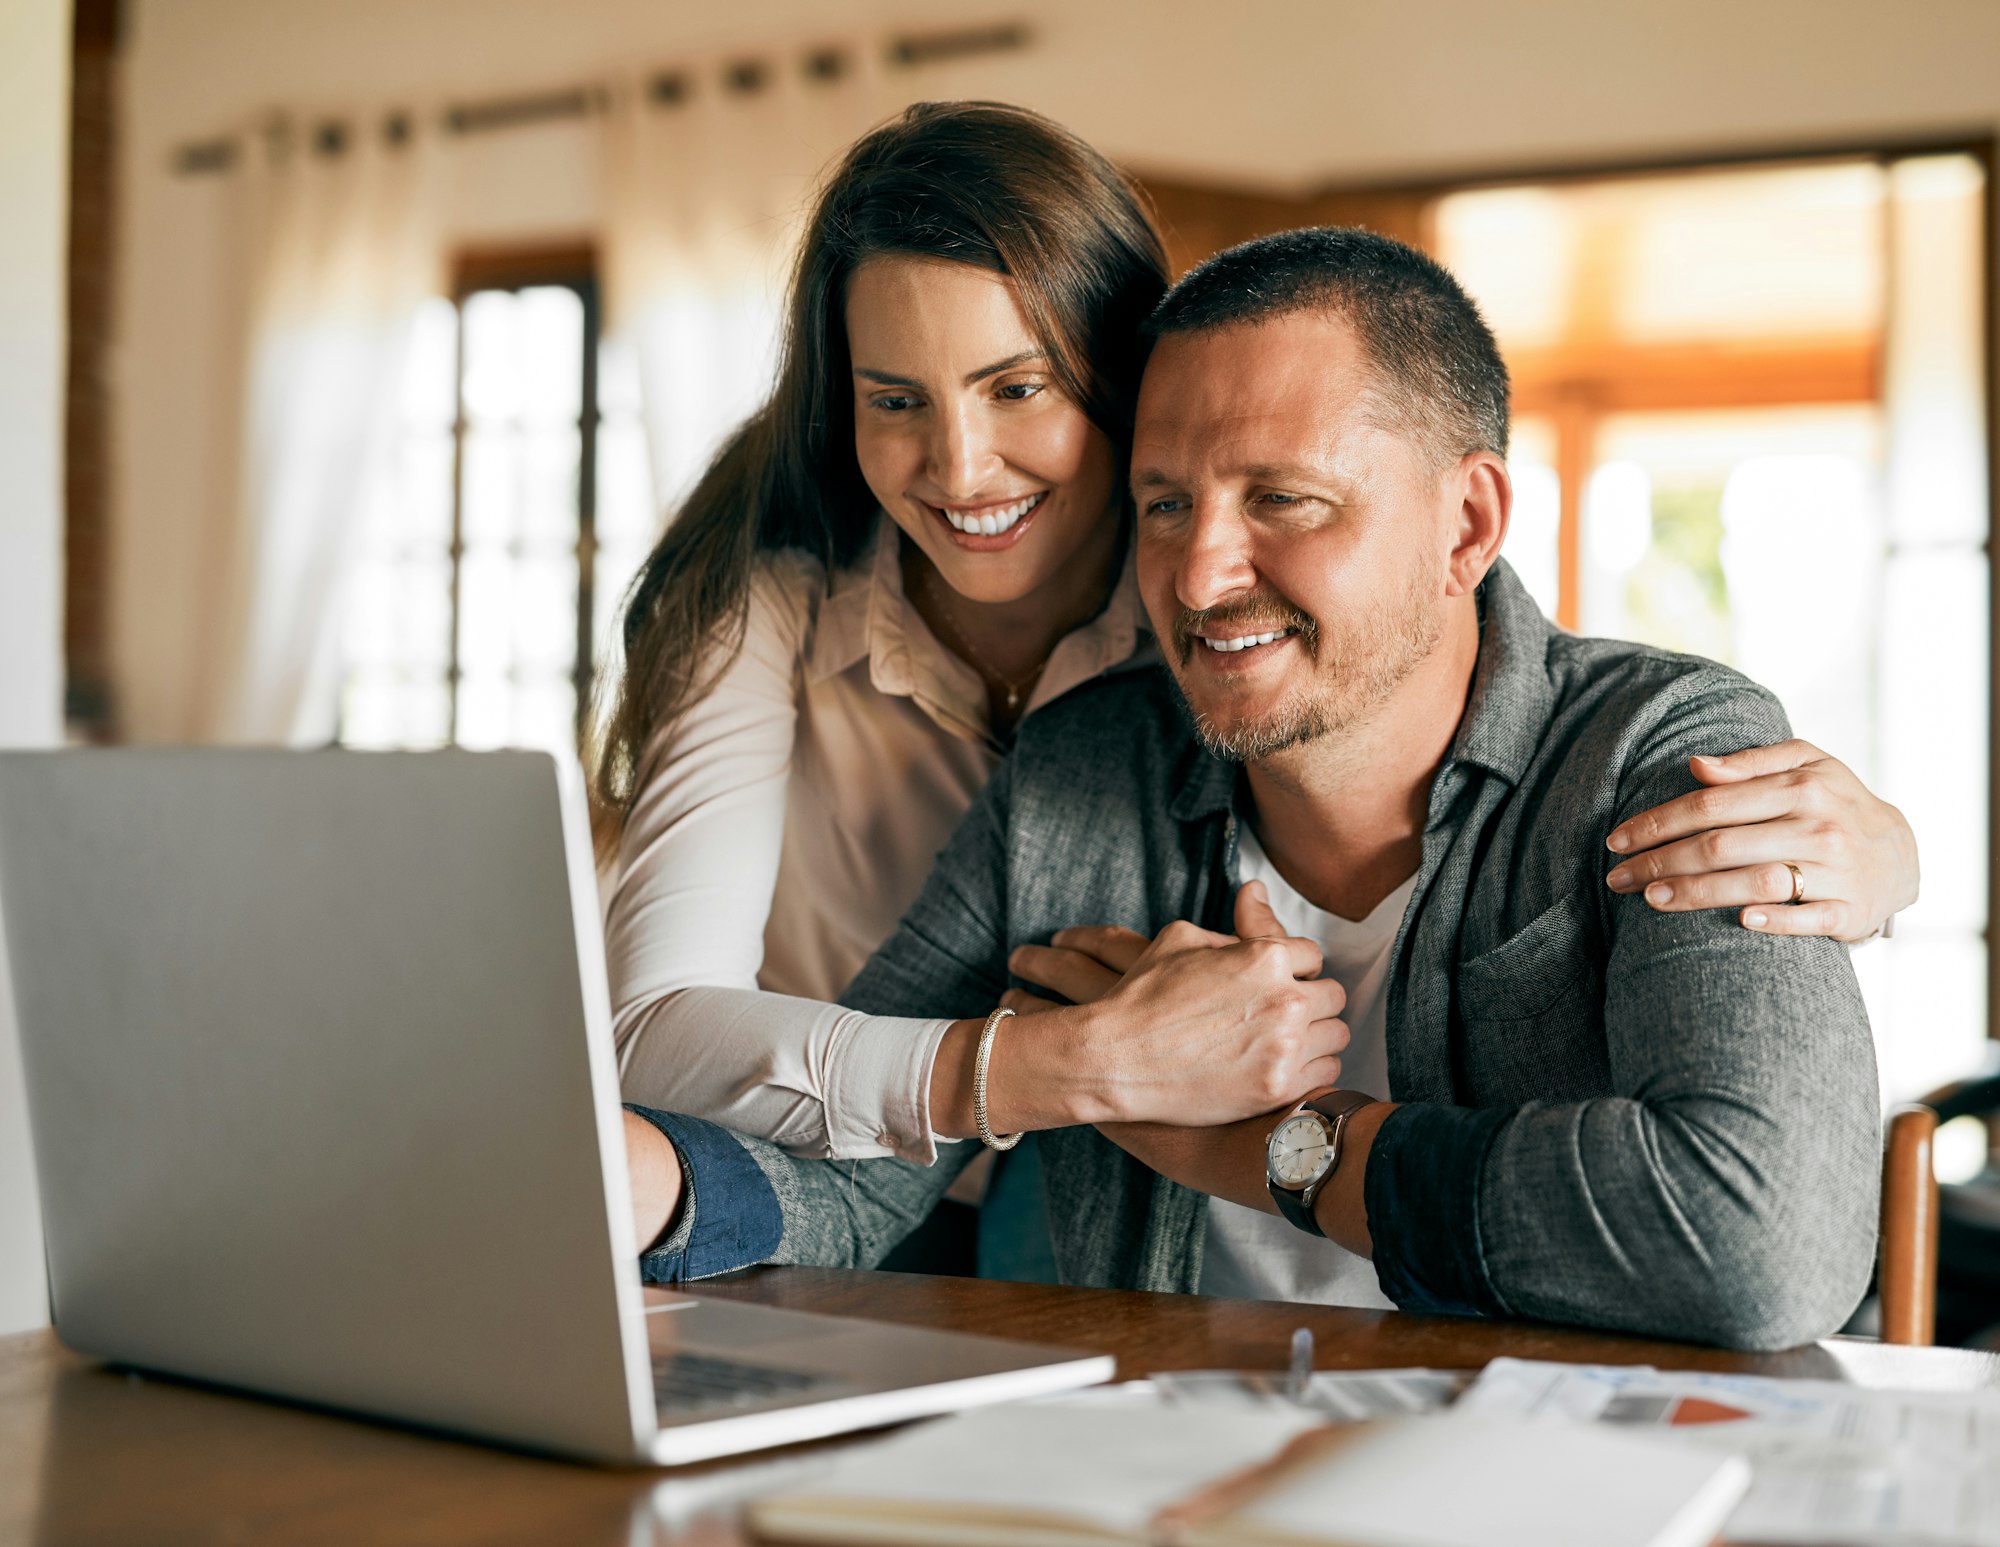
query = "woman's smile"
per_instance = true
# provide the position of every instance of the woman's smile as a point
(986, 528)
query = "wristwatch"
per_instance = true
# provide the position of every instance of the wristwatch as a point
(1303, 1152)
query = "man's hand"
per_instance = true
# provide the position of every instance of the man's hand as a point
(1085, 963)
(1727, 845)
(655, 1169)
(1192, 1028)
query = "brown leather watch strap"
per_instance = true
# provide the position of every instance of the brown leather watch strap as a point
(1339, 1105)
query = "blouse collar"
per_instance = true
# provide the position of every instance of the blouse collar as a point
(867, 615)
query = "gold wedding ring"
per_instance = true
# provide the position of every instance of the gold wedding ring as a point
(1798, 886)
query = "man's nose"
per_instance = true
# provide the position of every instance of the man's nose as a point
(1215, 561)
(963, 457)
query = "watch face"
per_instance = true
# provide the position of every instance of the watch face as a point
(1298, 1153)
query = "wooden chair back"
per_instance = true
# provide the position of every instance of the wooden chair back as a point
(1908, 1274)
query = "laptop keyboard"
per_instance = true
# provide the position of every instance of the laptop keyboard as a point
(684, 1382)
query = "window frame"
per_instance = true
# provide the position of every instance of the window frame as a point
(571, 266)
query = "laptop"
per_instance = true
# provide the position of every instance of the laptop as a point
(324, 1104)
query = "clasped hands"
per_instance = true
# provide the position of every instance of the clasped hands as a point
(1209, 1036)
(1193, 1028)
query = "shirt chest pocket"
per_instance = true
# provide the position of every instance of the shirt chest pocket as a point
(1529, 1011)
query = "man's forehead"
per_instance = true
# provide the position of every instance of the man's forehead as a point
(1253, 369)
(1261, 398)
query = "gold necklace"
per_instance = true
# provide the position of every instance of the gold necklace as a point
(957, 640)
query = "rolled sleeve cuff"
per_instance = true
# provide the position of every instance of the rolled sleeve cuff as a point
(878, 1087)
(1422, 1195)
(729, 1217)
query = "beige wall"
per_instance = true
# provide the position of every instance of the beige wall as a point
(1284, 91)
(34, 129)
(1284, 94)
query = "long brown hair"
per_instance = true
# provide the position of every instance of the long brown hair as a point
(982, 183)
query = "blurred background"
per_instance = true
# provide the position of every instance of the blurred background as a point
(390, 329)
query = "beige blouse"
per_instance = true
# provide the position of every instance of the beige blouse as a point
(791, 819)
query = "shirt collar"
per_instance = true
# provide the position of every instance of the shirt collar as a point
(1110, 639)
(867, 616)
(1506, 710)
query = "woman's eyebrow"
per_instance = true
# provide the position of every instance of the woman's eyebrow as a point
(890, 379)
(1003, 365)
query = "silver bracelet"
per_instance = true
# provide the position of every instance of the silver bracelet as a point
(987, 1137)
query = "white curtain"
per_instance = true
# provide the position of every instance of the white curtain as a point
(704, 202)
(337, 250)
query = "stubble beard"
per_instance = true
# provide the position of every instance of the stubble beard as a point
(1355, 670)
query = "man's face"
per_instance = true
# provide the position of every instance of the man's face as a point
(1292, 550)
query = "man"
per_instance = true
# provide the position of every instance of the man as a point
(1554, 1101)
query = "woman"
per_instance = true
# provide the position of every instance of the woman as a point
(915, 543)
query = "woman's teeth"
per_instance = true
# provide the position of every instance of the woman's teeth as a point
(991, 523)
(1245, 641)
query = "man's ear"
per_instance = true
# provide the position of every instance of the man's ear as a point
(1485, 505)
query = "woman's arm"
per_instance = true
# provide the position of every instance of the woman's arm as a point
(684, 930)
(1729, 845)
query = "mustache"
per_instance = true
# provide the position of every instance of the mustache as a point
(1251, 615)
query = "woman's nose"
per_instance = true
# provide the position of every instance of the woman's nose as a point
(963, 456)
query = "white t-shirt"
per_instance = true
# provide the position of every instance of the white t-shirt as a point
(1257, 1256)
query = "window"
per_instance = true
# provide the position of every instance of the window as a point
(519, 506)
(1752, 425)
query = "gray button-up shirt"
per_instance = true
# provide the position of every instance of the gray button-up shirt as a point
(1661, 1122)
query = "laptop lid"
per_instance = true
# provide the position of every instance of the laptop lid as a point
(321, 1085)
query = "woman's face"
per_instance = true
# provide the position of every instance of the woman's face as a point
(963, 434)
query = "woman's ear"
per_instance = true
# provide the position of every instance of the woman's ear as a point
(1485, 496)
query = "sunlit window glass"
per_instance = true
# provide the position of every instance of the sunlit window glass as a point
(480, 609)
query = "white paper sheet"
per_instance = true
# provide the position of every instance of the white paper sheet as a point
(1835, 1464)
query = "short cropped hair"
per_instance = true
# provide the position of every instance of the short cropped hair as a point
(1441, 379)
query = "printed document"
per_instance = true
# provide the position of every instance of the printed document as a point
(1831, 1463)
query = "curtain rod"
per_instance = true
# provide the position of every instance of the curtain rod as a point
(742, 76)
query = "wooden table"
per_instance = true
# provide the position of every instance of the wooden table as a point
(90, 1455)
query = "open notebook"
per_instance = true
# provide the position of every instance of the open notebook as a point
(1037, 1475)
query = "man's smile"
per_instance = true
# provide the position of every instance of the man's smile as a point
(1232, 643)
(1233, 634)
